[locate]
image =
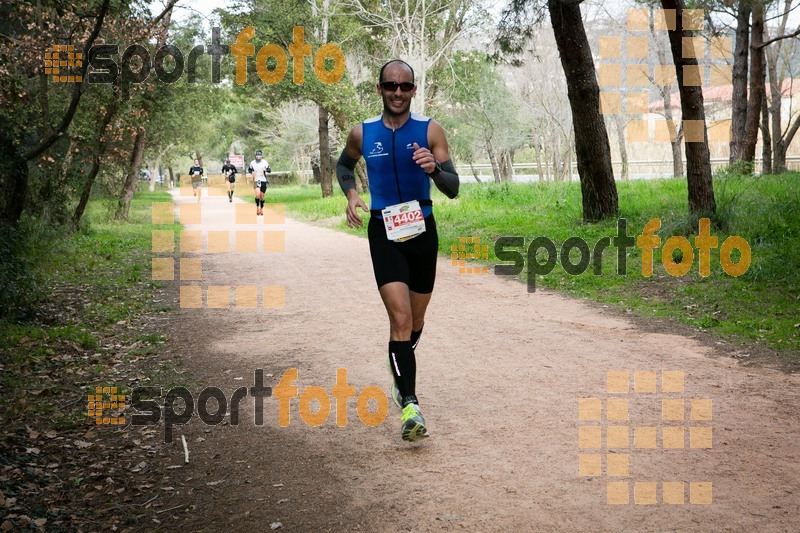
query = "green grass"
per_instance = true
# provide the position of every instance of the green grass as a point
(96, 280)
(760, 305)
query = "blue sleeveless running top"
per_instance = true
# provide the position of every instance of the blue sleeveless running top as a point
(393, 175)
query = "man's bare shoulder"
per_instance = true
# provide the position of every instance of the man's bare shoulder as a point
(354, 141)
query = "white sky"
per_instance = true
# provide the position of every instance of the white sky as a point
(186, 7)
(597, 7)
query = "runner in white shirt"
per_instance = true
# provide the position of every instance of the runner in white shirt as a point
(258, 170)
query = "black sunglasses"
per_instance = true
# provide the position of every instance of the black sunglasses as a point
(392, 86)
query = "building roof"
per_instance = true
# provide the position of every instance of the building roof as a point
(722, 94)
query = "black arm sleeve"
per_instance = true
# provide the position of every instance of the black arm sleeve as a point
(447, 181)
(345, 168)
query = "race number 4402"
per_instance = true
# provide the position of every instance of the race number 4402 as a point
(403, 221)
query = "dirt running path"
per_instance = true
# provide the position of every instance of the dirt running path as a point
(500, 373)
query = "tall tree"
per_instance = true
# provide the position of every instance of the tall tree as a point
(148, 97)
(14, 185)
(99, 149)
(698, 163)
(778, 49)
(666, 97)
(756, 83)
(592, 149)
(741, 53)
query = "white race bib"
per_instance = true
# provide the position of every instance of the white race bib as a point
(403, 221)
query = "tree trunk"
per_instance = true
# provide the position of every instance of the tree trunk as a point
(766, 138)
(698, 163)
(593, 152)
(171, 176)
(739, 77)
(57, 207)
(131, 180)
(505, 166)
(666, 97)
(537, 151)
(153, 168)
(778, 151)
(362, 181)
(557, 164)
(772, 53)
(87, 190)
(101, 144)
(566, 161)
(756, 83)
(766, 141)
(315, 171)
(474, 172)
(324, 154)
(13, 180)
(619, 125)
(787, 140)
(495, 166)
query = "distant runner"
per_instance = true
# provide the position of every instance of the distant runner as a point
(259, 169)
(196, 173)
(229, 171)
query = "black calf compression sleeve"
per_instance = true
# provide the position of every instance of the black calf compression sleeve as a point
(404, 367)
(415, 335)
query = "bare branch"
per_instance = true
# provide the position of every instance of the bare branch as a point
(167, 9)
(779, 38)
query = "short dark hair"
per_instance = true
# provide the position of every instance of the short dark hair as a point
(380, 76)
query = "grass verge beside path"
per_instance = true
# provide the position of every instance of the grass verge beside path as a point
(761, 305)
(99, 324)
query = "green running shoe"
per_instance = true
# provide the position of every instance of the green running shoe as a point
(413, 424)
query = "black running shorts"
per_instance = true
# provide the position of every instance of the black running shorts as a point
(232, 178)
(412, 262)
(262, 185)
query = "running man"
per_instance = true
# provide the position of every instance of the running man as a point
(229, 171)
(259, 170)
(196, 173)
(403, 152)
